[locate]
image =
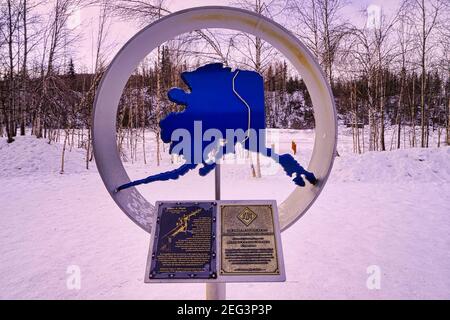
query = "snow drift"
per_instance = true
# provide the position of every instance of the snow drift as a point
(30, 156)
(385, 209)
(416, 165)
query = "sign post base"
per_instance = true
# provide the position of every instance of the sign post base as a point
(216, 291)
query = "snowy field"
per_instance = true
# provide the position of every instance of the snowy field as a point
(385, 209)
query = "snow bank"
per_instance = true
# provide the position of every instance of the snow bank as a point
(30, 156)
(400, 226)
(416, 164)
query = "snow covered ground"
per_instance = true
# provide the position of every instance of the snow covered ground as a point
(384, 209)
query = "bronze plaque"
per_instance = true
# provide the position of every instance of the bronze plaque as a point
(248, 240)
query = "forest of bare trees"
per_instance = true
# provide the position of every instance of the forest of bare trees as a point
(391, 72)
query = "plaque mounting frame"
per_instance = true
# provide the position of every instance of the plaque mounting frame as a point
(220, 278)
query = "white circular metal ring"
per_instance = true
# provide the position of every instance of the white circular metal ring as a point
(127, 59)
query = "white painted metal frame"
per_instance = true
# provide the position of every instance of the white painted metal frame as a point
(127, 59)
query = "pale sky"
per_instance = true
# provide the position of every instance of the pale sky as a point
(120, 32)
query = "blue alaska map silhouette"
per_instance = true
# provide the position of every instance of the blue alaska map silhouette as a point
(225, 101)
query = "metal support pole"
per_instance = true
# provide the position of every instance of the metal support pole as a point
(216, 291)
(217, 181)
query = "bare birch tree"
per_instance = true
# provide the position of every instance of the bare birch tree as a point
(426, 18)
(321, 25)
